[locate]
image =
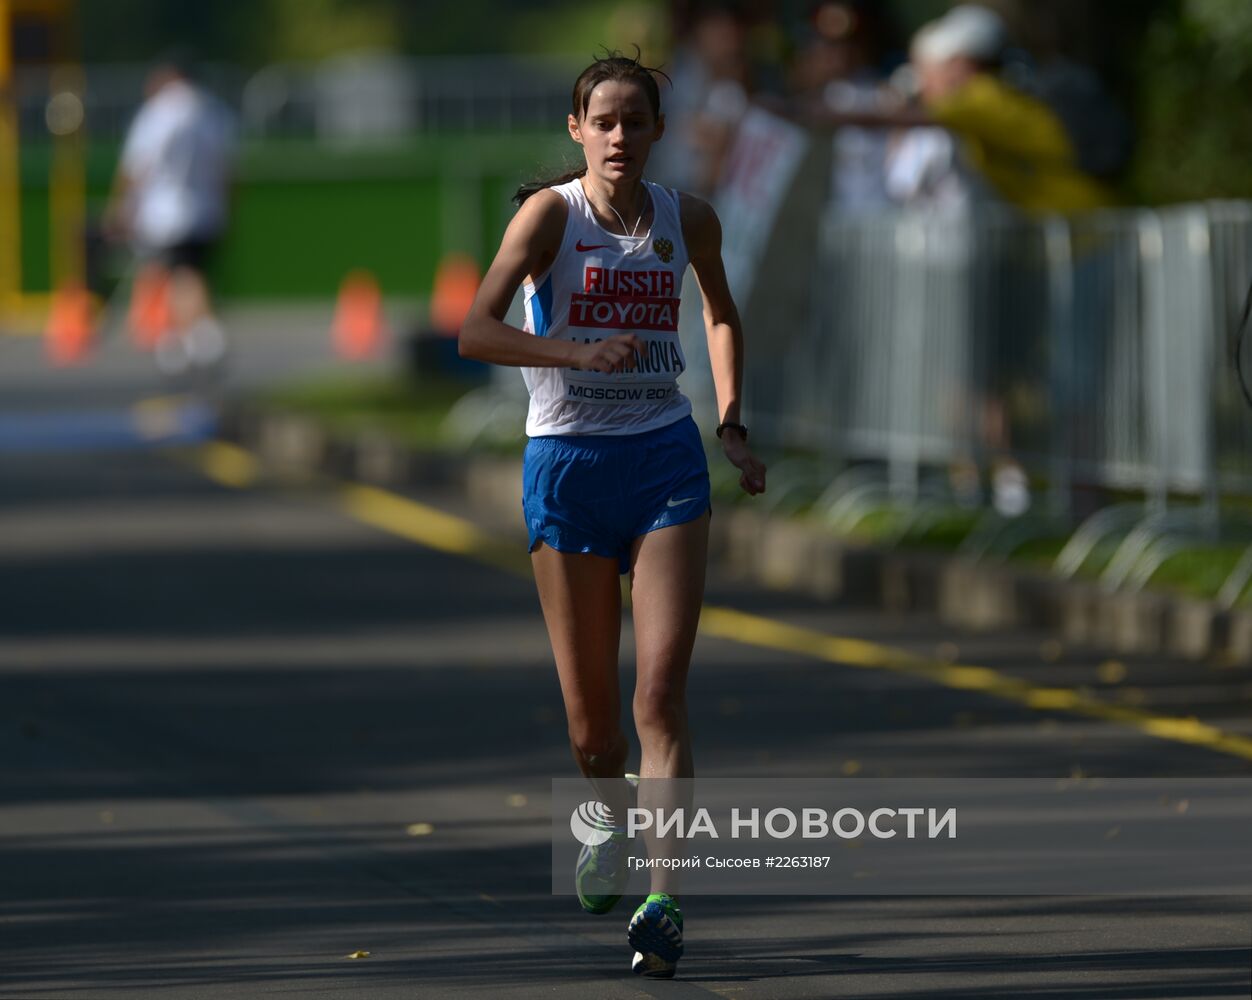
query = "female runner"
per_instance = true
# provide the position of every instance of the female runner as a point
(615, 476)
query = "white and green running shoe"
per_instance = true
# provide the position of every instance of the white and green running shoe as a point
(601, 874)
(656, 935)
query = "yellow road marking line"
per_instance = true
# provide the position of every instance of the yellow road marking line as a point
(167, 401)
(226, 464)
(753, 630)
(158, 416)
(429, 527)
(233, 466)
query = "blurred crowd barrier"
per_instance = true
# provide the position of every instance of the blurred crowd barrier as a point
(1090, 352)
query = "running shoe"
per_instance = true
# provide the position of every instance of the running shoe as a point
(656, 934)
(600, 875)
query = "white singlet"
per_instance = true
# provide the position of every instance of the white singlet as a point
(601, 284)
(178, 156)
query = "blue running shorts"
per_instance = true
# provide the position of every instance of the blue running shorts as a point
(598, 493)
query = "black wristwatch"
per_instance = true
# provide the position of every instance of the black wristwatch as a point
(743, 431)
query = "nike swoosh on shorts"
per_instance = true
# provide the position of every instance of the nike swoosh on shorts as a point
(671, 502)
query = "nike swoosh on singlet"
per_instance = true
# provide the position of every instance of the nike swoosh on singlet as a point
(596, 246)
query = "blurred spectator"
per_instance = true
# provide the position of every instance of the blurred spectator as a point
(1020, 148)
(170, 201)
(925, 168)
(1101, 133)
(1013, 139)
(1015, 144)
(841, 66)
(710, 95)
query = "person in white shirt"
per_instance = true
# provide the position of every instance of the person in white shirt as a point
(170, 201)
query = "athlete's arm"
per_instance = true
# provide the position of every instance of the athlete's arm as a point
(703, 234)
(529, 247)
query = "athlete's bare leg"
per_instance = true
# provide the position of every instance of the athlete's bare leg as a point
(582, 606)
(667, 590)
(189, 298)
(195, 338)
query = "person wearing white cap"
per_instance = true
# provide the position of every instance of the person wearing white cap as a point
(1012, 139)
(977, 33)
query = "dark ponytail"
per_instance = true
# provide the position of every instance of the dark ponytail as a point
(612, 66)
(530, 187)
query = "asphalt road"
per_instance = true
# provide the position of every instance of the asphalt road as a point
(244, 735)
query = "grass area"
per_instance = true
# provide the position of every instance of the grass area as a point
(1198, 572)
(881, 525)
(1040, 553)
(412, 410)
(1199, 569)
(304, 213)
(943, 528)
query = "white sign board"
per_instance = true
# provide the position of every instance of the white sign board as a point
(760, 167)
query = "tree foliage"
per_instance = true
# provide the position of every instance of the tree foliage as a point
(1193, 112)
(256, 32)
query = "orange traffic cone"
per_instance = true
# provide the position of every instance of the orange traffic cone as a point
(71, 326)
(358, 326)
(456, 284)
(150, 316)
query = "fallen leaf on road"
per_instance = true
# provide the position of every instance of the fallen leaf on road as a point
(1112, 671)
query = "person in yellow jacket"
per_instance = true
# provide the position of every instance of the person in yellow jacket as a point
(1015, 141)
(1015, 144)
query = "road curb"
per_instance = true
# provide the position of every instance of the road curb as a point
(787, 553)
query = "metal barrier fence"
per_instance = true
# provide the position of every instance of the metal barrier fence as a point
(1095, 351)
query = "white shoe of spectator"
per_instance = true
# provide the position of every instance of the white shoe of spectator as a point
(1010, 490)
(206, 343)
(171, 355)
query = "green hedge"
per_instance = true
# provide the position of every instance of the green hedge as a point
(305, 214)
